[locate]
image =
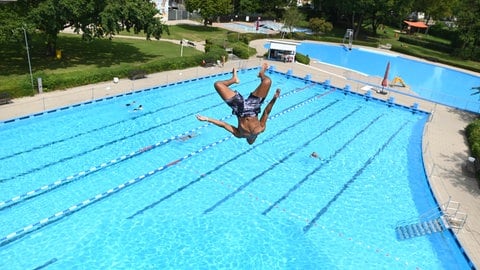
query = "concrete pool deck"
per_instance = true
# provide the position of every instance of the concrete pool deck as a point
(445, 151)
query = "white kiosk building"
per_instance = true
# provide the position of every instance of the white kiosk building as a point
(282, 50)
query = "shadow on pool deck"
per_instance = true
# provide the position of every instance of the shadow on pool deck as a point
(445, 151)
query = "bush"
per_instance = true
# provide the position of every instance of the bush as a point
(304, 59)
(214, 53)
(441, 30)
(319, 25)
(426, 44)
(301, 35)
(473, 137)
(243, 51)
(71, 79)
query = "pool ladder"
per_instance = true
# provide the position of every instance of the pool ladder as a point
(420, 228)
(438, 219)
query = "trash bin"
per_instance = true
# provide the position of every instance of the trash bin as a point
(40, 85)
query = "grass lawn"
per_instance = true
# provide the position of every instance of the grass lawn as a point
(195, 33)
(389, 36)
(88, 62)
(80, 57)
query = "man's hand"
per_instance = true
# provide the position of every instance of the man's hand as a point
(201, 118)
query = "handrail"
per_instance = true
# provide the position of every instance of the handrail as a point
(449, 212)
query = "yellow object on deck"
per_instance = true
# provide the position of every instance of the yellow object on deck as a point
(58, 54)
(397, 81)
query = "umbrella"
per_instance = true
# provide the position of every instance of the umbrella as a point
(385, 77)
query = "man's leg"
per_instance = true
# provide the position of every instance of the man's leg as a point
(223, 88)
(266, 82)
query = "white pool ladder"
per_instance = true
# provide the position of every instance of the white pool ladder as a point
(438, 219)
(348, 36)
(455, 218)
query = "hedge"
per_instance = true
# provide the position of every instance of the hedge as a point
(304, 59)
(426, 44)
(71, 79)
(473, 138)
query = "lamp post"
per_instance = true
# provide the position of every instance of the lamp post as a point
(181, 48)
(28, 56)
(182, 42)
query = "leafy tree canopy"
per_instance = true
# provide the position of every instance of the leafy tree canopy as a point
(209, 9)
(94, 18)
(292, 17)
(318, 25)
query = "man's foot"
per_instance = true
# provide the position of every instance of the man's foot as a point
(234, 76)
(264, 67)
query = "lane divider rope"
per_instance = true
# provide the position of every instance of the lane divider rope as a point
(32, 227)
(18, 198)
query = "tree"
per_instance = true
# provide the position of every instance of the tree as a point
(13, 19)
(292, 17)
(468, 23)
(375, 12)
(209, 8)
(248, 6)
(357, 14)
(318, 25)
(94, 18)
(435, 8)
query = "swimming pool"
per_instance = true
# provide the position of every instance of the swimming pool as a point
(265, 27)
(99, 185)
(246, 28)
(436, 83)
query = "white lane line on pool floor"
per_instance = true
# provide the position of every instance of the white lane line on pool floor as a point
(32, 227)
(38, 191)
(12, 236)
(255, 198)
(57, 183)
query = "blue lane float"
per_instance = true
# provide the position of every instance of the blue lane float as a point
(289, 73)
(19, 198)
(37, 225)
(347, 89)
(308, 78)
(414, 107)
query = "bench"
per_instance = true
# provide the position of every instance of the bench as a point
(206, 64)
(137, 74)
(387, 46)
(5, 98)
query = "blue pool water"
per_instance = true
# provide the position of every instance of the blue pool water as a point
(99, 185)
(245, 28)
(437, 83)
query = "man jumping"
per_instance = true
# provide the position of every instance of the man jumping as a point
(246, 110)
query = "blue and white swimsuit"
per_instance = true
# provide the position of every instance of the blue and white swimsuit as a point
(245, 107)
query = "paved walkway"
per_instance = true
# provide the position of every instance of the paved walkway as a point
(445, 151)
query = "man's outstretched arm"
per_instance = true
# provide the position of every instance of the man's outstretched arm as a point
(268, 109)
(219, 123)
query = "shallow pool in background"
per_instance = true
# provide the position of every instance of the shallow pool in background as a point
(99, 185)
(251, 28)
(436, 83)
